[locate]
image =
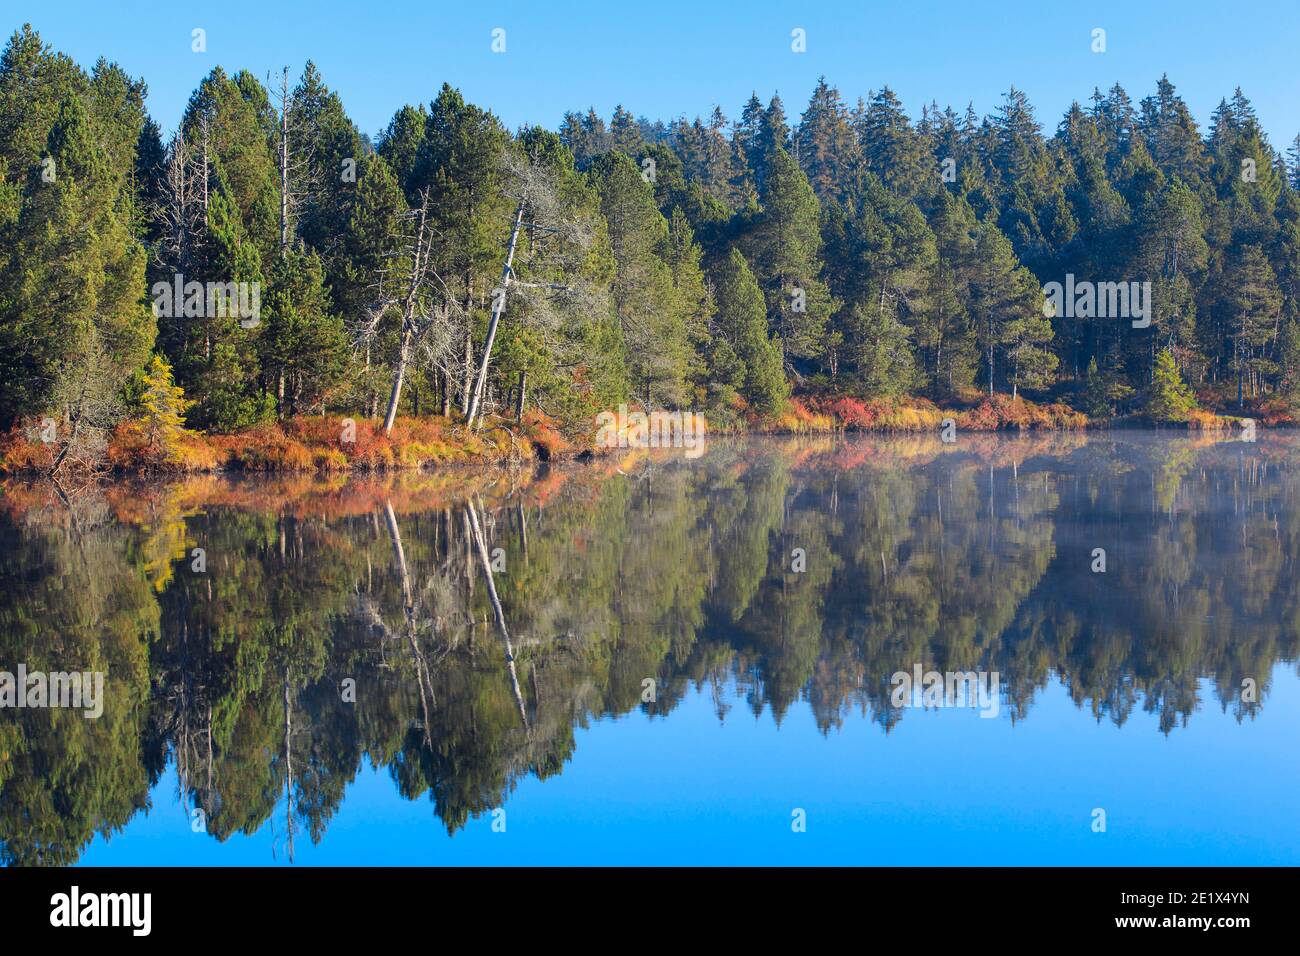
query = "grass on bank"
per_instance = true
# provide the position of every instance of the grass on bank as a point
(305, 444)
(325, 444)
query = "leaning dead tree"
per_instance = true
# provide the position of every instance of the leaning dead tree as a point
(558, 242)
(433, 317)
(498, 306)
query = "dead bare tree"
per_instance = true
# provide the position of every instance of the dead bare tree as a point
(179, 209)
(498, 306)
(86, 388)
(432, 301)
(204, 161)
(420, 312)
(181, 214)
(294, 159)
(558, 243)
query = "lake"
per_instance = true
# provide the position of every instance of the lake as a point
(1067, 648)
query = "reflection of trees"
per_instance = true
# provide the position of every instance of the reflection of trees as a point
(468, 679)
(1199, 581)
(73, 596)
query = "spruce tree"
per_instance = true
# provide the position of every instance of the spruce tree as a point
(784, 243)
(742, 352)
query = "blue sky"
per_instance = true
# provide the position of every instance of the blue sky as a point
(670, 57)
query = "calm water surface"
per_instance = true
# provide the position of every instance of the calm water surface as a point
(663, 661)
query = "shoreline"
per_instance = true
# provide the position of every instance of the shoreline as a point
(311, 444)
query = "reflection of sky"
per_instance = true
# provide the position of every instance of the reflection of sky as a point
(945, 787)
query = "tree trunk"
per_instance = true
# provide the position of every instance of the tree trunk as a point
(990, 350)
(467, 369)
(498, 306)
(408, 316)
(284, 163)
(497, 611)
(395, 396)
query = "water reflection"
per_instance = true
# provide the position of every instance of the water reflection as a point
(455, 630)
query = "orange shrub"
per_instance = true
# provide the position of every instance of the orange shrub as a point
(20, 454)
(309, 444)
(264, 448)
(130, 450)
(796, 418)
(1000, 411)
(1204, 420)
(545, 437)
(852, 413)
(1275, 412)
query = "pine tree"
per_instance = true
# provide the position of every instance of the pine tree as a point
(772, 134)
(324, 151)
(1096, 400)
(303, 343)
(1005, 307)
(1026, 340)
(946, 334)
(742, 354)
(1171, 135)
(882, 355)
(656, 334)
(370, 248)
(402, 143)
(459, 167)
(73, 324)
(624, 133)
(1252, 305)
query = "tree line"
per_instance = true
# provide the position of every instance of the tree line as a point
(452, 267)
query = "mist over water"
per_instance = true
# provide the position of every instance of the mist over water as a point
(655, 659)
